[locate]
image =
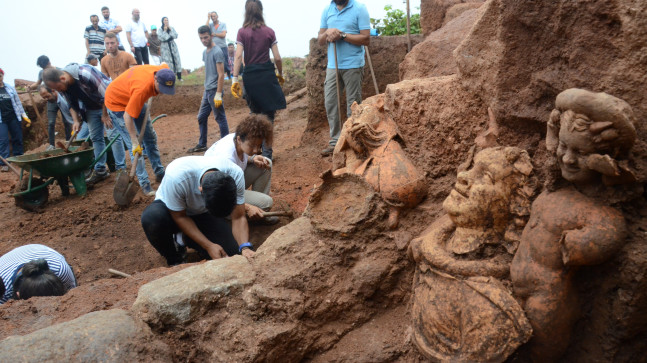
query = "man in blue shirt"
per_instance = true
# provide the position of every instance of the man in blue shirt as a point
(347, 24)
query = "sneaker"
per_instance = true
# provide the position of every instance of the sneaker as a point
(4, 168)
(197, 149)
(96, 176)
(328, 151)
(159, 177)
(50, 148)
(180, 256)
(148, 190)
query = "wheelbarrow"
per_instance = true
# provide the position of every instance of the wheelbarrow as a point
(50, 166)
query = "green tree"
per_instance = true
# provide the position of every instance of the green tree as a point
(395, 22)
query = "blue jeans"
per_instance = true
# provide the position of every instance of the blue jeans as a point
(93, 118)
(206, 106)
(13, 130)
(84, 132)
(149, 142)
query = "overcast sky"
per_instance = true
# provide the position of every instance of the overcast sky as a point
(31, 28)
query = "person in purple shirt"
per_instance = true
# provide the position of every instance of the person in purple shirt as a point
(262, 84)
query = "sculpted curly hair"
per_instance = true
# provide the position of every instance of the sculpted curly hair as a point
(255, 126)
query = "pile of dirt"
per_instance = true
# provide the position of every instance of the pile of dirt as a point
(436, 13)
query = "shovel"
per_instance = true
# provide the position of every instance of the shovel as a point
(125, 188)
(66, 146)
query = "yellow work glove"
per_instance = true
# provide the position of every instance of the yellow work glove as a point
(236, 90)
(27, 120)
(281, 79)
(217, 99)
(138, 150)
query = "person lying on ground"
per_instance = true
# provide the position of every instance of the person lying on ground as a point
(242, 148)
(34, 270)
(84, 86)
(126, 103)
(193, 200)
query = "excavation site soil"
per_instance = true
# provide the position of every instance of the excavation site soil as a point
(95, 235)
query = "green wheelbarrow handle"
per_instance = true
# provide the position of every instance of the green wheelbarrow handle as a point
(113, 141)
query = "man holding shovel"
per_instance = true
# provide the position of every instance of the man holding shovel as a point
(126, 99)
(346, 27)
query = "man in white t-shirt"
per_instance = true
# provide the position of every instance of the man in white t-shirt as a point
(242, 148)
(137, 35)
(195, 196)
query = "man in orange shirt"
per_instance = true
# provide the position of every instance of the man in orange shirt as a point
(125, 100)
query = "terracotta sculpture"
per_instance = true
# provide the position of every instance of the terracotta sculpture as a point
(462, 309)
(590, 134)
(370, 146)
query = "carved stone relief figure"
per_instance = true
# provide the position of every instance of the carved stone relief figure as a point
(463, 309)
(371, 147)
(590, 134)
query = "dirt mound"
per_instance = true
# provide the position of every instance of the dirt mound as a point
(435, 13)
(434, 56)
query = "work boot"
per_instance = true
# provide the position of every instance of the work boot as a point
(159, 177)
(328, 151)
(197, 149)
(96, 176)
(148, 190)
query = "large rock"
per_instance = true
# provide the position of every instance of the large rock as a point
(433, 13)
(183, 296)
(521, 54)
(104, 336)
(434, 56)
(386, 55)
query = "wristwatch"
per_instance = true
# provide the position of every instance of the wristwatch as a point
(343, 35)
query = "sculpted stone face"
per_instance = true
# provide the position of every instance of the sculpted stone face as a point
(480, 198)
(572, 152)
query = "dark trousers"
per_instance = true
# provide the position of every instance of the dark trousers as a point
(10, 129)
(160, 229)
(225, 52)
(141, 55)
(52, 111)
(206, 107)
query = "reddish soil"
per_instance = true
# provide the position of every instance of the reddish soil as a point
(95, 235)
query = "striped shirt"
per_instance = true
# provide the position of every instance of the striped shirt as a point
(95, 39)
(11, 262)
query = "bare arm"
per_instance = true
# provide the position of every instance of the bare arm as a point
(147, 36)
(132, 131)
(277, 58)
(130, 41)
(363, 38)
(239, 228)
(87, 47)
(116, 30)
(221, 74)
(77, 123)
(188, 227)
(222, 34)
(238, 59)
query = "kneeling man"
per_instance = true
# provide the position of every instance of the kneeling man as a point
(195, 196)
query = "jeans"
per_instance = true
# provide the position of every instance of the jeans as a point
(10, 129)
(84, 132)
(93, 118)
(351, 80)
(52, 111)
(149, 142)
(206, 106)
(160, 228)
(141, 55)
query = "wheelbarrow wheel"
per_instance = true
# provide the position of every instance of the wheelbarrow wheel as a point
(32, 201)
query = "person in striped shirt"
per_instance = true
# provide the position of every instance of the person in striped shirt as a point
(34, 270)
(94, 35)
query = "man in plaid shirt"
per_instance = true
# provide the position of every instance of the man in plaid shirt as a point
(84, 87)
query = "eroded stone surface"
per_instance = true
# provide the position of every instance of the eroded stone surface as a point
(104, 336)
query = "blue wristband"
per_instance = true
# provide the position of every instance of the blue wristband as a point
(246, 244)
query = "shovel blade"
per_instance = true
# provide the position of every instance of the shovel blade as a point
(125, 190)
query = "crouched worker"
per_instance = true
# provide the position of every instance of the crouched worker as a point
(195, 196)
